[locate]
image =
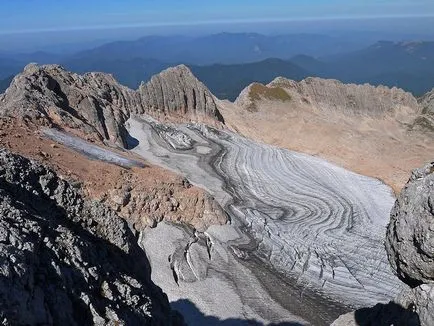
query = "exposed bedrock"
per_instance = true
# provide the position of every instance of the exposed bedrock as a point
(177, 92)
(425, 121)
(410, 242)
(410, 235)
(319, 224)
(332, 95)
(96, 105)
(67, 261)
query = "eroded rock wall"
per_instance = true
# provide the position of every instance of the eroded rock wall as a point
(96, 105)
(65, 260)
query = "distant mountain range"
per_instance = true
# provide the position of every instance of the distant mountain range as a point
(227, 63)
(227, 81)
(405, 65)
(223, 48)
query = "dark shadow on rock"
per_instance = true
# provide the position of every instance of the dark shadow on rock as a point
(386, 315)
(193, 316)
(62, 276)
(130, 141)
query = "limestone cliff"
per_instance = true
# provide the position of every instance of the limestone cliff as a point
(333, 95)
(177, 92)
(96, 105)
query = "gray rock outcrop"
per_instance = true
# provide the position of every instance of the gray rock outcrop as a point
(96, 104)
(65, 260)
(333, 95)
(421, 300)
(410, 242)
(176, 91)
(410, 235)
(425, 121)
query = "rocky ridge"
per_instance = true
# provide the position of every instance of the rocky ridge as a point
(96, 105)
(333, 95)
(61, 254)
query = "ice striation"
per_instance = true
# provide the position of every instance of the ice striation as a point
(317, 223)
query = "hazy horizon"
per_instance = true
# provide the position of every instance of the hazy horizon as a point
(63, 41)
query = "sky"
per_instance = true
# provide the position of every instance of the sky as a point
(22, 16)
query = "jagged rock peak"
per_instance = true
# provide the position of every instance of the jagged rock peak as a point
(176, 91)
(333, 95)
(65, 260)
(92, 104)
(96, 104)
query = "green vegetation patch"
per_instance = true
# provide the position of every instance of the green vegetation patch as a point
(259, 92)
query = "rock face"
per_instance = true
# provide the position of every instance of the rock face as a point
(427, 102)
(410, 242)
(93, 104)
(425, 121)
(410, 235)
(67, 261)
(96, 104)
(176, 91)
(421, 300)
(329, 94)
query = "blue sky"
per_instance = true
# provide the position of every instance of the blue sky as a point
(41, 15)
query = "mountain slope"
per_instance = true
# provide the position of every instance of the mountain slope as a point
(409, 65)
(95, 104)
(364, 128)
(425, 121)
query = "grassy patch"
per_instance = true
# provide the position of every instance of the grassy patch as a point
(259, 91)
